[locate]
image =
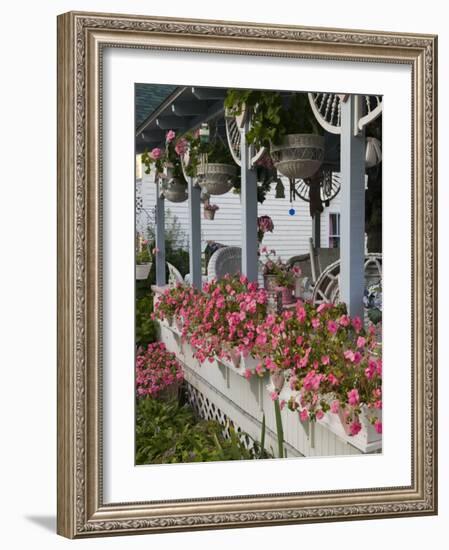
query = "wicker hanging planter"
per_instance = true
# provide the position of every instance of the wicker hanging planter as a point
(175, 190)
(216, 178)
(298, 155)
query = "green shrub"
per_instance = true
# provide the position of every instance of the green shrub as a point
(145, 327)
(167, 432)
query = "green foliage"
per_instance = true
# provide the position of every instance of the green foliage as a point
(175, 239)
(144, 256)
(216, 149)
(145, 327)
(167, 432)
(279, 428)
(273, 116)
(262, 437)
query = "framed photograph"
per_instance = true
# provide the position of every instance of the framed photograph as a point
(246, 274)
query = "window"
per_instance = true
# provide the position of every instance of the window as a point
(334, 230)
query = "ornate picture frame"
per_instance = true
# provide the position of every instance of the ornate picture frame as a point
(82, 38)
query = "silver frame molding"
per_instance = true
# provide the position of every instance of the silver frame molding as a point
(81, 38)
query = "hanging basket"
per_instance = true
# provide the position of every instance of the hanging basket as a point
(142, 271)
(175, 190)
(209, 214)
(215, 178)
(298, 156)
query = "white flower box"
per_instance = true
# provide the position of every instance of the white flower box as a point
(367, 440)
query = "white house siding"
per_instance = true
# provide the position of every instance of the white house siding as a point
(291, 233)
(334, 207)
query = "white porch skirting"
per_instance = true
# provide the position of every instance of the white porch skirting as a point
(226, 393)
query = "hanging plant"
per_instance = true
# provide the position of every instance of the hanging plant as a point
(209, 211)
(209, 160)
(168, 166)
(285, 125)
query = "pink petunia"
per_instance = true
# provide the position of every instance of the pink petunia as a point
(361, 341)
(156, 153)
(332, 327)
(354, 427)
(170, 136)
(304, 415)
(357, 324)
(353, 397)
(335, 406)
(378, 426)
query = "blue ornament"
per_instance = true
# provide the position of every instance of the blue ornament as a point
(292, 211)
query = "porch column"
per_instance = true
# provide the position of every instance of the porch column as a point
(195, 234)
(160, 236)
(352, 219)
(248, 192)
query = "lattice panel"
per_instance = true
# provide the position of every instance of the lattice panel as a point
(207, 410)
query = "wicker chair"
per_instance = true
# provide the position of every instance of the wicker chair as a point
(174, 276)
(225, 260)
(327, 287)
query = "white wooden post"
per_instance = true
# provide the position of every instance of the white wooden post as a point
(249, 209)
(352, 220)
(195, 234)
(160, 236)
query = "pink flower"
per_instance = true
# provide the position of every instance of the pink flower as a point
(353, 397)
(156, 153)
(344, 321)
(325, 360)
(332, 326)
(357, 324)
(361, 341)
(323, 307)
(349, 355)
(378, 426)
(304, 415)
(181, 146)
(155, 250)
(170, 136)
(335, 406)
(319, 414)
(282, 404)
(274, 395)
(332, 379)
(315, 322)
(248, 374)
(354, 427)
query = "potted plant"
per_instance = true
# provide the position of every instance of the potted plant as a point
(168, 166)
(143, 260)
(264, 225)
(278, 276)
(158, 372)
(210, 161)
(209, 210)
(285, 125)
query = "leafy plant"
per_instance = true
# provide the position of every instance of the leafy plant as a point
(279, 428)
(168, 158)
(143, 256)
(167, 432)
(200, 148)
(157, 369)
(273, 115)
(145, 326)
